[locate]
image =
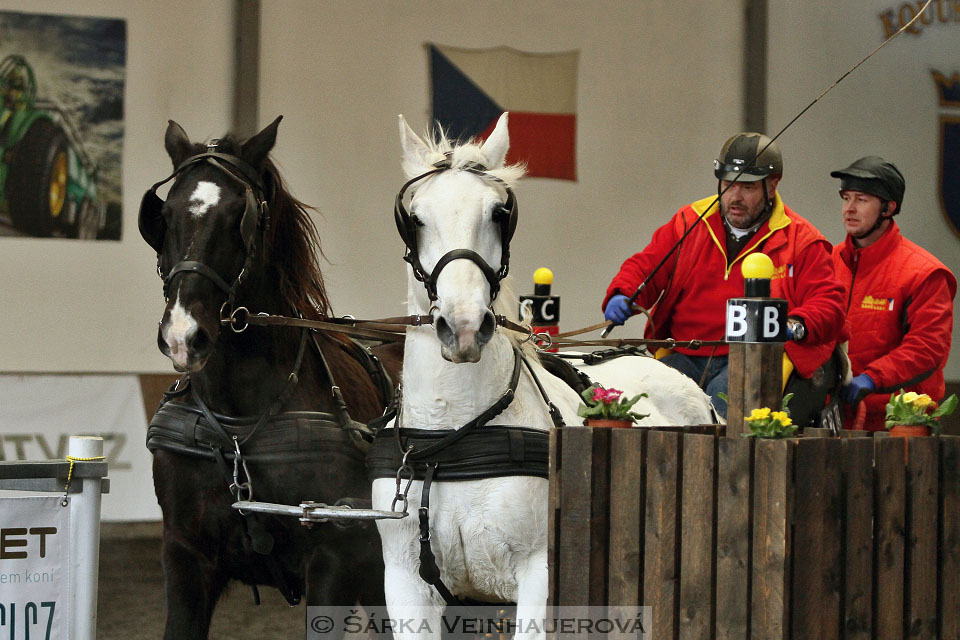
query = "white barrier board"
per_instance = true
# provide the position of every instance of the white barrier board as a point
(39, 413)
(34, 568)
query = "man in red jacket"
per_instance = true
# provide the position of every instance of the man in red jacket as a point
(692, 287)
(899, 297)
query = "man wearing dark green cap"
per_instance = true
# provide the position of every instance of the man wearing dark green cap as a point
(899, 296)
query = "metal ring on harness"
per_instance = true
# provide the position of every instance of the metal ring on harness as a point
(238, 320)
(544, 341)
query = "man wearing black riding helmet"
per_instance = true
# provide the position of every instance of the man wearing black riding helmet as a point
(899, 296)
(691, 289)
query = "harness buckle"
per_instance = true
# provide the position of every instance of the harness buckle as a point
(401, 496)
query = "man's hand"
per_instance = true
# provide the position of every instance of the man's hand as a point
(860, 387)
(618, 309)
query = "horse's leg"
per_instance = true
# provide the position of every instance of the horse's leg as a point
(415, 606)
(533, 585)
(192, 586)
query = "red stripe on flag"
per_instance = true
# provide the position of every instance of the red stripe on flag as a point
(545, 141)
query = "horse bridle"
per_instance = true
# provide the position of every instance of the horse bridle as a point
(256, 216)
(505, 215)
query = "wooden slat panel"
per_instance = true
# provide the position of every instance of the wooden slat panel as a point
(888, 537)
(627, 468)
(697, 595)
(772, 496)
(553, 513)
(858, 538)
(921, 547)
(573, 573)
(660, 534)
(598, 546)
(817, 432)
(736, 405)
(851, 433)
(815, 586)
(733, 538)
(949, 556)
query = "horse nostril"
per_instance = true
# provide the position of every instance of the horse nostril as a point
(445, 332)
(487, 327)
(198, 341)
(162, 343)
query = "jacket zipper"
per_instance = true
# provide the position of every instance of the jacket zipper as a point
(853, 278)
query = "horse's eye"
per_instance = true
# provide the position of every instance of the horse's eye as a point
(417, 221)
(500, 213)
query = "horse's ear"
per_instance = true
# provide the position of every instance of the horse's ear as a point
(415, 150)
(255, 150)
(177, 143)
(495, 148)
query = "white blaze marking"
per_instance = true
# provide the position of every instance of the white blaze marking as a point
(205, 196)
(179, 325)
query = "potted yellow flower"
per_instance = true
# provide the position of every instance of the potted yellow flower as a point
(765, 423)
(915, 414)
(608, 408)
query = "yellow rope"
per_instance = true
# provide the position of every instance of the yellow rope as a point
(73, 459)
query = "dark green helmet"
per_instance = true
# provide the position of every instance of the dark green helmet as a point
(873, 175)
(738, 157)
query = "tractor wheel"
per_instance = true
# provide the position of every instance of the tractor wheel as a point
(37, 180)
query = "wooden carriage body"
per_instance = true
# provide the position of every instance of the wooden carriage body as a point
(740, 538)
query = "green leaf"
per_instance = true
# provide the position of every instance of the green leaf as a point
(947, 407)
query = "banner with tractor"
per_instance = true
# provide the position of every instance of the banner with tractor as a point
(61, 125)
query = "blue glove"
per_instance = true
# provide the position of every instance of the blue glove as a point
(859, 387)
(618, 309)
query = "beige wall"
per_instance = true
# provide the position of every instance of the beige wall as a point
(94, 306)
(655, 102)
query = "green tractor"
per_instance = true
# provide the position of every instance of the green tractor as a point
(48, 182)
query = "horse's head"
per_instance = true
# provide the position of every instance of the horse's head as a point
(461, 218)
(206, 234)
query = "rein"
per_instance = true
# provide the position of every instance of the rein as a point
(384, 329)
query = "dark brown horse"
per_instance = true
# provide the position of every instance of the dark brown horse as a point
(256, 411)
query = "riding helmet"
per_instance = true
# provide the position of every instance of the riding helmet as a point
(873, 175)
(739, 157)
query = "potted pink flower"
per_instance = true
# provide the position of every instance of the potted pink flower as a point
(608, 407)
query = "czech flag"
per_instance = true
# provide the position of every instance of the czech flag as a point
(472, 87)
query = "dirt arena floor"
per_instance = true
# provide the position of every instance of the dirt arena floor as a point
(130, 599)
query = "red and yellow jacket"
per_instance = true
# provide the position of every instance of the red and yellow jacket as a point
(696, 282)
(899, 316)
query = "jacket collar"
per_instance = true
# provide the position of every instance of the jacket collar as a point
(777, 220)
(876, 252)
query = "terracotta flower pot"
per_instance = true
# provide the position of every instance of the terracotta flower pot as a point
(609, 422)
(907, 431)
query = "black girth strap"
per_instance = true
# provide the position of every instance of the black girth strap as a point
(495, 451)
(429, 570)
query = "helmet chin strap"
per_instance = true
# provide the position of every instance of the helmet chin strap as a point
(876, 225)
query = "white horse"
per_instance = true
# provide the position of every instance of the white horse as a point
(490, 535)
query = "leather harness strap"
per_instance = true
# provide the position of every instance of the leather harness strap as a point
(443, 452)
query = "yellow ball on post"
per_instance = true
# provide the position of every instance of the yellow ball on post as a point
(757, 269)
(543, 276)
(757, 266)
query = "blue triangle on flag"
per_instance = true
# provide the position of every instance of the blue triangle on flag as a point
(459, 105)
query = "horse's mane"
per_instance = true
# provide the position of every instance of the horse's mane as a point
(292, 243)
(508, 305)
(462, 155)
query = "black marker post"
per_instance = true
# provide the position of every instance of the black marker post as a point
(756, 331)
